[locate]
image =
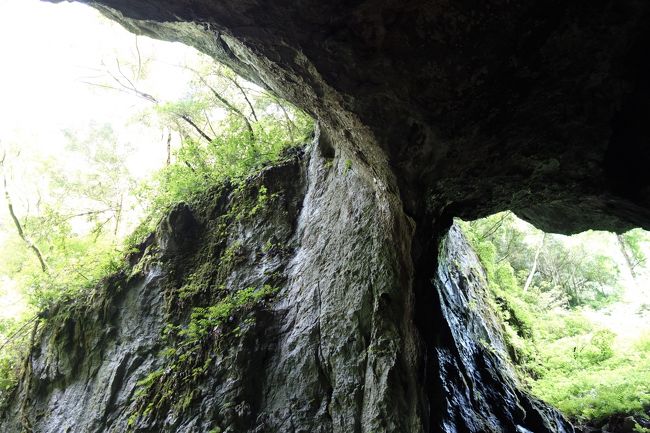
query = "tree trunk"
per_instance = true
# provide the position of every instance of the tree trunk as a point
(533, 269)
(19, 228)
(626, 255)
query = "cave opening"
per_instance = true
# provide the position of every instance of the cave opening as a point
(300, 299)
(575, 316)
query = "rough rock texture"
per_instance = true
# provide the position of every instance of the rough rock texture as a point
(84, 374)
(333, 350)
(477, 382)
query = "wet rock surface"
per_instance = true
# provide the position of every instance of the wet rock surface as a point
(88, 369)
(84, 367)
(334, 349)
(473, 375)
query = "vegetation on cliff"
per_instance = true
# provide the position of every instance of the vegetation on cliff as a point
(94, 202)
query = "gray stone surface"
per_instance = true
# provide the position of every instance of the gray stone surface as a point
(336, 350)
(84, 369)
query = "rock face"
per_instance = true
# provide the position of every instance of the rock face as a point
(474, 376)
(331, 348)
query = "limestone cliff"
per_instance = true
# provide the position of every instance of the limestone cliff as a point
(279, 307)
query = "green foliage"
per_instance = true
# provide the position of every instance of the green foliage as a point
(561, 323)
(348, 166)
(10, 355)
(563, 356)
(75, 273)
(74, 217)
(101, 183)
(640, 429)
(617, 385)
(585, 279)
(89, 198)
(565, 274)
(600, 347)
(75, 206)
(205, 319)
(643, 343)
(147, 382)
(230, 156)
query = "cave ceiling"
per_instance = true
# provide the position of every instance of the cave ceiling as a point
(537, 106)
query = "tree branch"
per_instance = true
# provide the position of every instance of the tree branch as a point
(495, 227)
(19, 227)
(187, 119)
(137, 49)
(131, 88)
(234, 81)
(225, 102)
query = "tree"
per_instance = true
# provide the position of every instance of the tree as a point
(533, 269)
(587, 279)
(631, 247)
(68, 212)
(84, 199)
(99, 189)
(564, 271)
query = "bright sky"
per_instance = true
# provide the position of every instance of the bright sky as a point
(47, 51)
